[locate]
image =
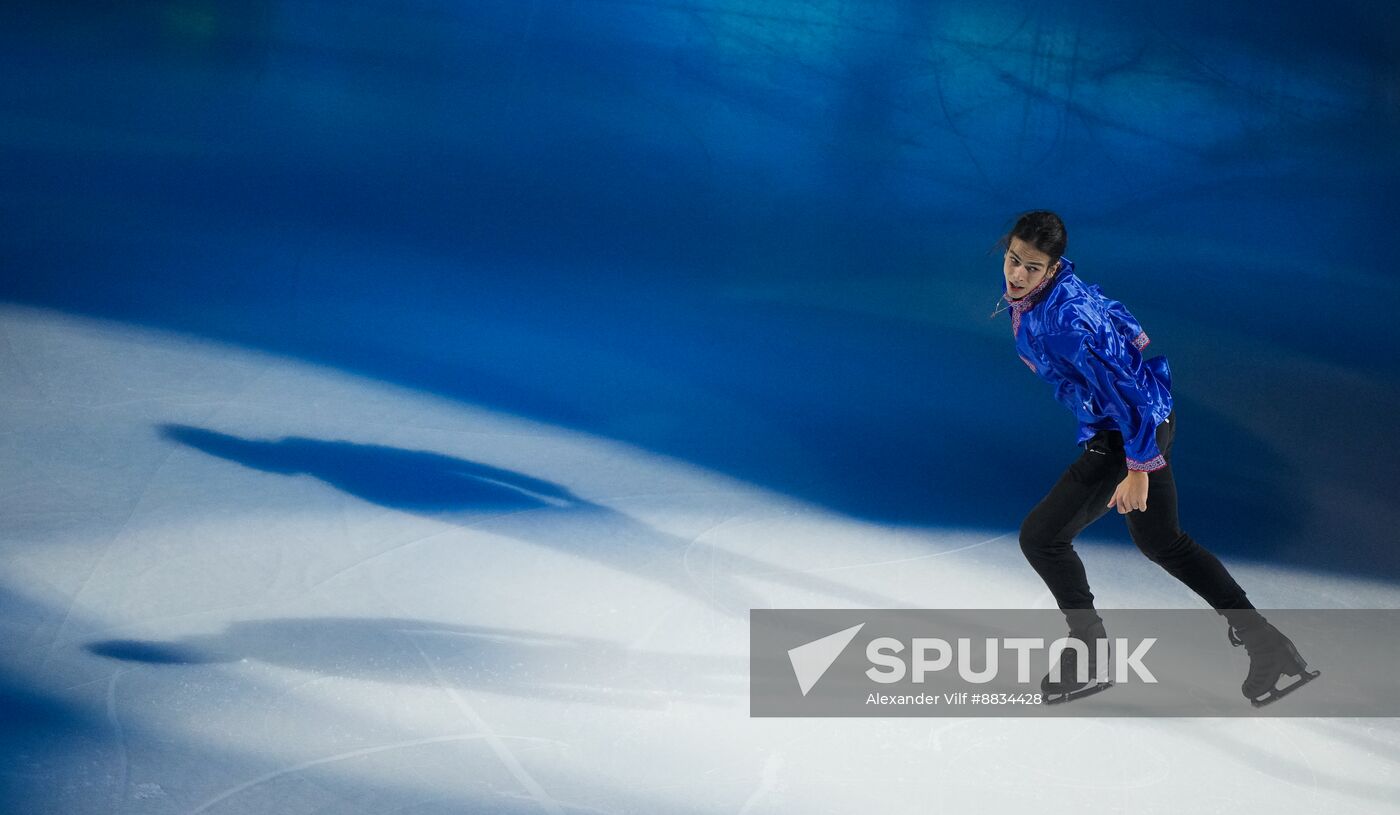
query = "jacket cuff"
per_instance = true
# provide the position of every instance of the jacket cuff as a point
(1148, 466)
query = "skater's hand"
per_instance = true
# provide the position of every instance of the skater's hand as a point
(1131, 493)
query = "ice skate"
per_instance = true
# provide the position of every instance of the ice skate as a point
(1271, 657)
(1069, 687)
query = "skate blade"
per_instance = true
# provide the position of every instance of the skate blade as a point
(1070, 696)
(1278, 693)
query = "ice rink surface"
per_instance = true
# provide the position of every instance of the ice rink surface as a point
(402, 404)
(241, 584)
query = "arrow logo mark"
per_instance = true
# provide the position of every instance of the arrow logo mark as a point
(811, 661)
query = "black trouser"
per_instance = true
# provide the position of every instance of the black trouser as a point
(1081, 497)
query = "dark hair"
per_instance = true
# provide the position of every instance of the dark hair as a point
(1042, 229)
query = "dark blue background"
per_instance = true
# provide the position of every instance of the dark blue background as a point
(755, 236)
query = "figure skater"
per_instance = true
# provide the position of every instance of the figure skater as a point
(1089, 349)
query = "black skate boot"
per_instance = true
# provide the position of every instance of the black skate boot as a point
(1271, 656)
(1069, 687)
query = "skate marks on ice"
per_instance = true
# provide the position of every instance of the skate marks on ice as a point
(1339, 765)
(155, 737)
(500, 661)
(462, 662)
(470, 494)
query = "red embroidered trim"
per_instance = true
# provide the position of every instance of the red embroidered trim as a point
(1141, 341)
(1024, 304)
(1151, 465)
(1030, 365)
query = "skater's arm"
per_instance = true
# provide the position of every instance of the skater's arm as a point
(1092, 362)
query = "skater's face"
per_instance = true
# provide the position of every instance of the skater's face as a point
(1024, 267)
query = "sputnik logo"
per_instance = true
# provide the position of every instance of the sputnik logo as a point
(811, 661)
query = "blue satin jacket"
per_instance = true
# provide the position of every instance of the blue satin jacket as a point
(1089, 349)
